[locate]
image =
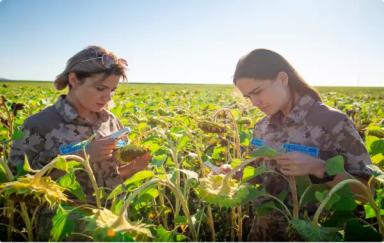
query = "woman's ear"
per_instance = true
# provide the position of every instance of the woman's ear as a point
(283, 77)
(72, 80)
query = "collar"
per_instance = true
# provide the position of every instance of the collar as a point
(69, 113)
(298, 113)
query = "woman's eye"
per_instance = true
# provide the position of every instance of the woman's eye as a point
(99, 88)
(256, 92)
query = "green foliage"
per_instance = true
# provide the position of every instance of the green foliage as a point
(335, 165)
(3, 174)
(221, 191)
(264, 151)
(250, 172)
(163, 235)
(136, 178)
(355, 231)
(69, 182)
(308, 232)
(176, 124)
(66, 220)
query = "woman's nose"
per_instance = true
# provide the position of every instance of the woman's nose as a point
(107, 96)
(256, 101)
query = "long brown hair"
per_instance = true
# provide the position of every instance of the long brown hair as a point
(266, 64)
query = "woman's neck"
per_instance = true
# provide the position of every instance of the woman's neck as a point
(290, 104)
(81, 110)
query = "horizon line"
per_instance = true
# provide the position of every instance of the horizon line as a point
(164, 83)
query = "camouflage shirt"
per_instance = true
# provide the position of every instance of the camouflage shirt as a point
(311, 123)
(60, 124)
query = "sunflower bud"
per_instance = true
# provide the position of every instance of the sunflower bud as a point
(154, 121)
(16, 107)
(246, 121)
(130, 152)
(211, 127)
(221, 191)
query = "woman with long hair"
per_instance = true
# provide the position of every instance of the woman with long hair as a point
(299, 124)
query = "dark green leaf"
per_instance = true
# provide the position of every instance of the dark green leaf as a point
(264, 151)
(335, 165)
(370, 212)
(310, 195)
(3, 174)
(117, 205)
(253, 193)
(64, 165)
(248, 173)
(182, 142)
(346, 200)
(159, 160)
(245, 138)
(377, 147)
(59, 222)
(69, 182)
(65, 221)
(139, 176)
(180, 220)
(24, 168)
(355, 231)
(338, 219)
(18, 134)
(163, 235)
(308, 232)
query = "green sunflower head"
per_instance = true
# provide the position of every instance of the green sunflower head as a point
(222, 191)
(34, 189)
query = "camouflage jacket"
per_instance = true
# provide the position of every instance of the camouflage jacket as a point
(60, 124)
(311, 123)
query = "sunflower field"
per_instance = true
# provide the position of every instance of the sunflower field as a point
(178, 198)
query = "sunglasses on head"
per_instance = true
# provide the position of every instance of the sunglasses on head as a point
(106, 60)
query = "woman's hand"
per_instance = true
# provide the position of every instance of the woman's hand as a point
(225, 168)
(136, 165)
(299, 164)
(141, 162)
(101, 149)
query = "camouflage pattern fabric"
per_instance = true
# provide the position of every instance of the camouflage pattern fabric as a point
(310, 123)
(60, 124)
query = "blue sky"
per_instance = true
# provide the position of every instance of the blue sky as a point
(330, 42)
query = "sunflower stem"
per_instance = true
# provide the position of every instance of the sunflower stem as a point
(11, 216)
(27, 221)
(87, 166)
(233, 224)
(295, 202)
(8, 172)
(173, 188)
(173, 152)
(162, 202)
(211, 223)
(239, 224)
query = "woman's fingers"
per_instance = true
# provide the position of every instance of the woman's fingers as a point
(285, 162)
(285, 156)
(225, 168)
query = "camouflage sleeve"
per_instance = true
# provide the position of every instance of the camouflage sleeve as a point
(32, 145)
(121, 126)
(260, 128)
(351, 146)
(106, 172)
